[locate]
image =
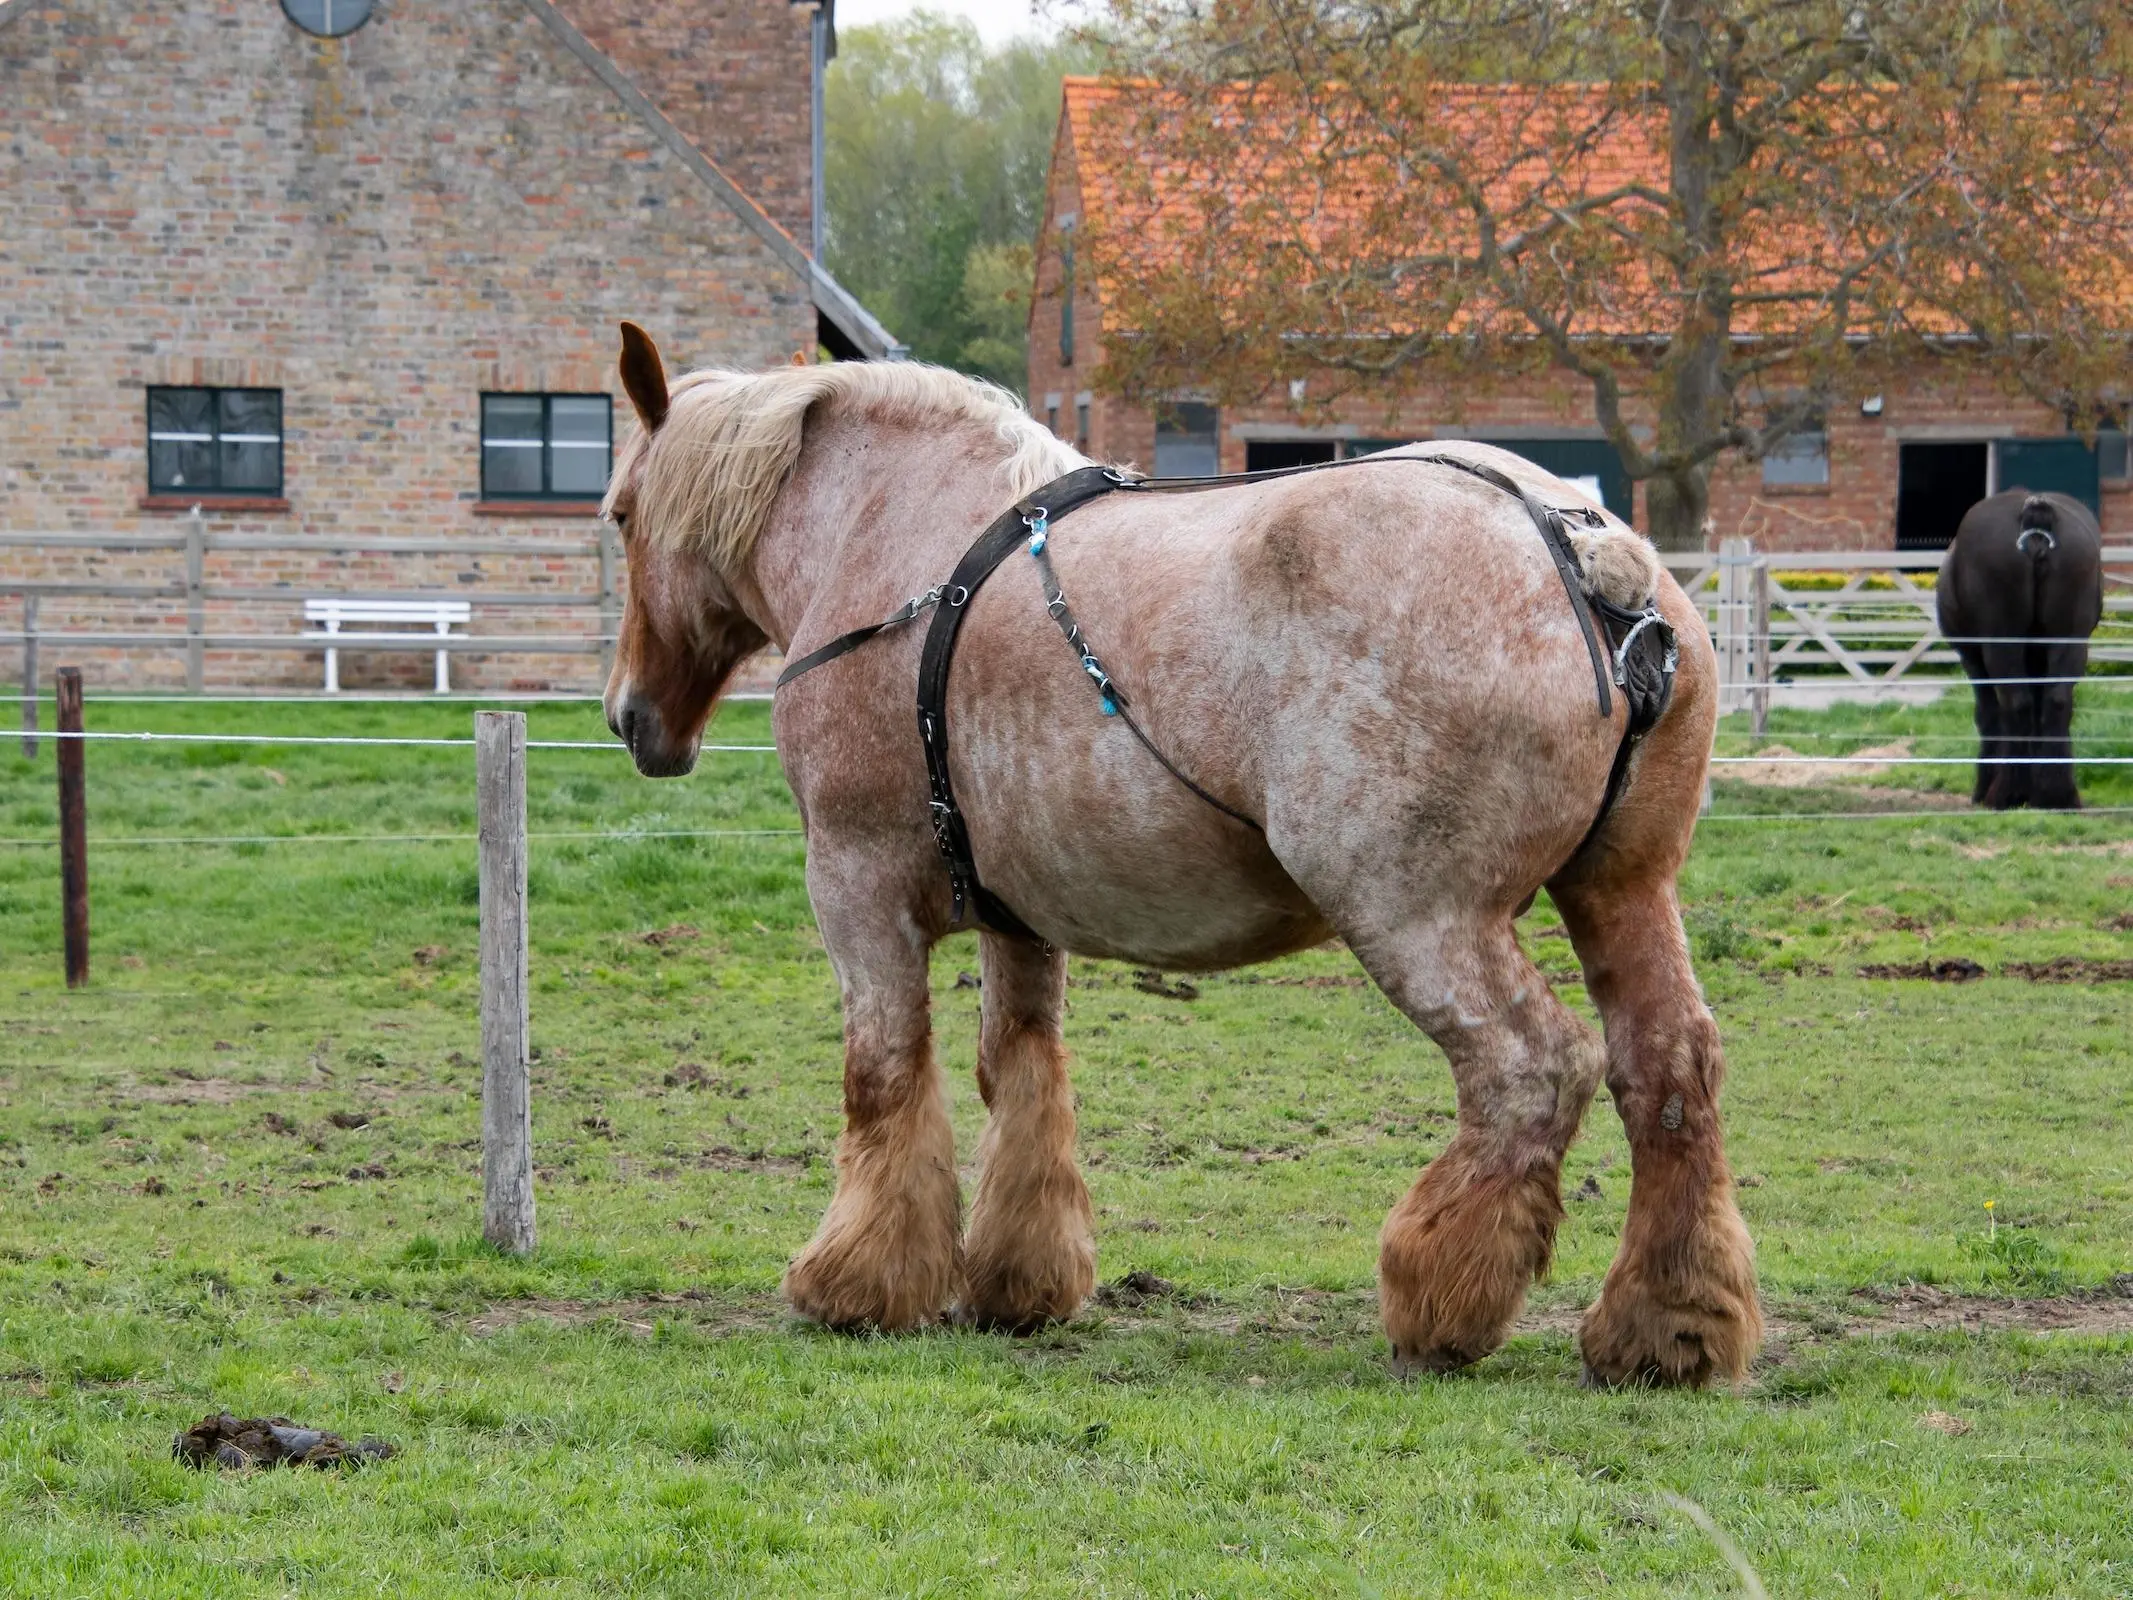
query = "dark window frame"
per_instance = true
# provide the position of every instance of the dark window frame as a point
(329, 31)
(547, 398)
(216, 490)
(1784, 454)
(1066, 301)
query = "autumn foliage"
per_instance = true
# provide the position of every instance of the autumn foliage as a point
(1725, 215)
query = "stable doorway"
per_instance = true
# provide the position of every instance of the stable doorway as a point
(1937, 481)
(1935, 484)
(1266, 455)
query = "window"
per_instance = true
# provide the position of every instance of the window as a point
(329, 19)
(1051, 417)
(2112, 463)
(1188, 440)
(1081, 425)
(545, 446)
(1066, 301)
(214, 441)
(1798, 459)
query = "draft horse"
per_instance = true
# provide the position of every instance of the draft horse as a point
(1376, 677)
(2020, 591)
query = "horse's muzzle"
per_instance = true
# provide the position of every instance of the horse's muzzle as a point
(643, 732)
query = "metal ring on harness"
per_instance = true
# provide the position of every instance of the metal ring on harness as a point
(1673, 649)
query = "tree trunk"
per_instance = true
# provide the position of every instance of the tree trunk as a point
(1676, 508)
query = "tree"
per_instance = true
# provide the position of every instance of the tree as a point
(1721, 215)
(934, 179)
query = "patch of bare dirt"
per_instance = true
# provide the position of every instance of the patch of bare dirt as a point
(639, 1316)
(2070, 969)
(1952, 969)
(724, 1158)
(204, 1091)
(1960, 969)
(1915, 1308)
(1779, 766)
(676, 933)
(1152, 983)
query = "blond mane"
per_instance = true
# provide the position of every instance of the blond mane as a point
(731, 440)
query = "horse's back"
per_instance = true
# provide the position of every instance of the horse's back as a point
(1379, 664)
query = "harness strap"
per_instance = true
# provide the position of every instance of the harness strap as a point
(1113, 700)
(1646, 685)
(1546, 518)
(846, 643)
(979, 562)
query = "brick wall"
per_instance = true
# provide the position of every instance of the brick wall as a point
(1856, 510)
(382, 226)
(733, 75)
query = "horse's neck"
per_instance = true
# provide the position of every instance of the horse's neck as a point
(871, 512)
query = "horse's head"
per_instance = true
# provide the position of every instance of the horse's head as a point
(683, 631)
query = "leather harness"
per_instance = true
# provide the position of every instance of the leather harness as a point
(1641, 645)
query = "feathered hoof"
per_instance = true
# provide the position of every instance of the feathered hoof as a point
(1455, 1259)
(1634, 1337)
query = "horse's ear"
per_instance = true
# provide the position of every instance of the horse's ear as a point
(644, 379)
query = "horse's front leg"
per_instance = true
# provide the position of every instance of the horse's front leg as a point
(1030, 1256)
(886, 1255)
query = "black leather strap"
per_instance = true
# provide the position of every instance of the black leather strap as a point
(846, 643)
(979, 563)
(1647, 691)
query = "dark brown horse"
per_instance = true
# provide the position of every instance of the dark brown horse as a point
(2020, 592)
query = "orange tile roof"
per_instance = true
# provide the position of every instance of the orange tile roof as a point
(1280, 216)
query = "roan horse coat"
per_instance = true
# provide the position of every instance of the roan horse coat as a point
(1380, 664)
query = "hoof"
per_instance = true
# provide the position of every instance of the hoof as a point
(825, 1286)
(1015, 1324)
(1433, 1362)
(1035, 1289)
(1633, 1338)
(1455, 1259)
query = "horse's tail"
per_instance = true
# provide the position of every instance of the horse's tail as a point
(1620, 565)
(2040, 528)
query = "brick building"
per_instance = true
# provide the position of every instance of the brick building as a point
(344, 268)
(1897, 471)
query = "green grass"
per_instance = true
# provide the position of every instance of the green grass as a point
(630, 1412)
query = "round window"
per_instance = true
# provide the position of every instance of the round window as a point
(328, 18)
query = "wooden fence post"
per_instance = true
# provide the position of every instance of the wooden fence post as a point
(195, 602)
(29, 677)
(506, 1094)
(73, 831)
(1759, 648)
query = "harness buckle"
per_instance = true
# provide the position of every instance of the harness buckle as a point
(1650, 618)
(955, 595)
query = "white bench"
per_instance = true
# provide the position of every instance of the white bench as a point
(401, 619)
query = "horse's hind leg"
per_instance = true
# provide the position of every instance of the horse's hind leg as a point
(2007, 782)
(1479, 1224)
(1030, 1256)
(1989, 746)
(2052, 786)
(1679, 1303)
(886, 1255)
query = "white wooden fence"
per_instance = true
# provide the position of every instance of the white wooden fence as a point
(186, 594)
(1863, 615)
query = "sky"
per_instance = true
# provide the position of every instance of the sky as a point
(997, 20)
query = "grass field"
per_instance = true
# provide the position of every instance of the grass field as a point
(239, 1171)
